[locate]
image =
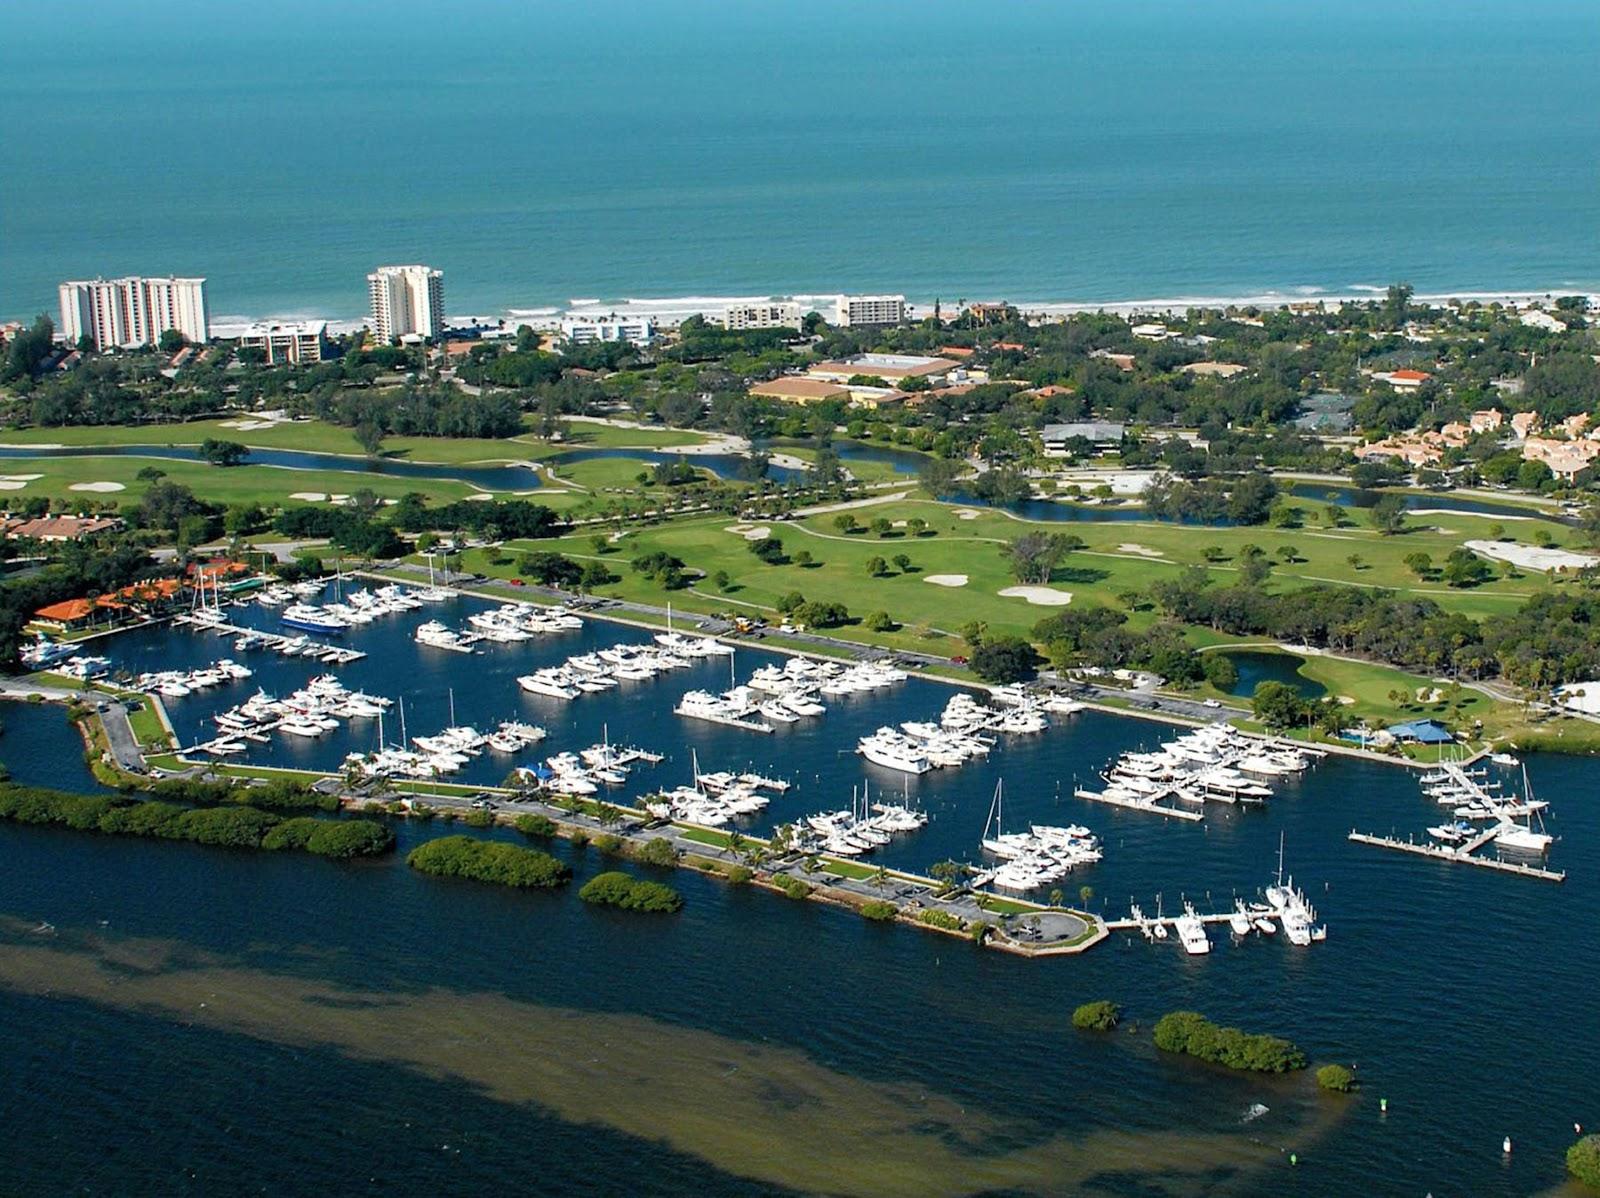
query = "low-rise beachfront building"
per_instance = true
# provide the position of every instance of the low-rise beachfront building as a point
(770, 314)
(1537, 318)
(1101, 434)
(1151, 332)
(287, 342)
(891, 368)
(998, 312)
(58, 528)
(868, 311)
(586, 330)
(795, 388)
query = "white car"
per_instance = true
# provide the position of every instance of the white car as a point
(1212, 703)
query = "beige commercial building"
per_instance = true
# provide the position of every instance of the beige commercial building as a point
(771, 315)
(288, 342)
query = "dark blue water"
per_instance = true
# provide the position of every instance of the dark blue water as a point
(41, 748)
(1256, 667)
(1420, 960)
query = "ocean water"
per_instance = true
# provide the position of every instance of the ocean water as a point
(201, 1021)
(544, 152)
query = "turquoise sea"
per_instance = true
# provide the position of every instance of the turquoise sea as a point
(544, 152)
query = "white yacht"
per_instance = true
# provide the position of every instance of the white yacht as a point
(1192, 932)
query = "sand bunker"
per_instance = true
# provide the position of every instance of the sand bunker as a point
(1532, 557)
(313, 496)
(750, 532)
(1039, 596)
(11, 484)
(21, 478)
(1141, 550)
(946, 580)
(97, 487)
(249, 426)
(966, 513)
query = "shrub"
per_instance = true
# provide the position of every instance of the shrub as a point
(879, 910)
(479, 818)
(1336, 1077)
(1583, 1160)
(608, 844)
(579, 839)
(541, 826)
(791, 886)
(941, 919)
(617, 889)
(342, 839)
(739, 874)
(1192, 1033)
(1099, 1016)
(488, 861)
(657, 851)
(291, 834)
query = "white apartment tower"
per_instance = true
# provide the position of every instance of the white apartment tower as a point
(855, 310)
(130, 312)
(406, 301)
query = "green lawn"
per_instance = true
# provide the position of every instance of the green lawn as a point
(1119, 557)
(267, 485)
(317, 437)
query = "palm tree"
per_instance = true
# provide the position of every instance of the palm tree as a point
(1057, 897)
(881, 877)
(1085, 893)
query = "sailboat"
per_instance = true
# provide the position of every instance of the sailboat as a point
(432, 593)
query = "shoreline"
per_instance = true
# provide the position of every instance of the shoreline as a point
(672, 309)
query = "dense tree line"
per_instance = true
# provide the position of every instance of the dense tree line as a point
(1192, 1033)
(237, 826)
(1552, 639)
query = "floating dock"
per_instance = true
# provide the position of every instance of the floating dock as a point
(731, 721)
(1152, 805)
(316, 650)
(1463, 853)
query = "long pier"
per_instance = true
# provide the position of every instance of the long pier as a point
(1151, 805)
(1463, 853)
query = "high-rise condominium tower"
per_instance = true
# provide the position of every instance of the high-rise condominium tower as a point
(406, 299)
(122, 313)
